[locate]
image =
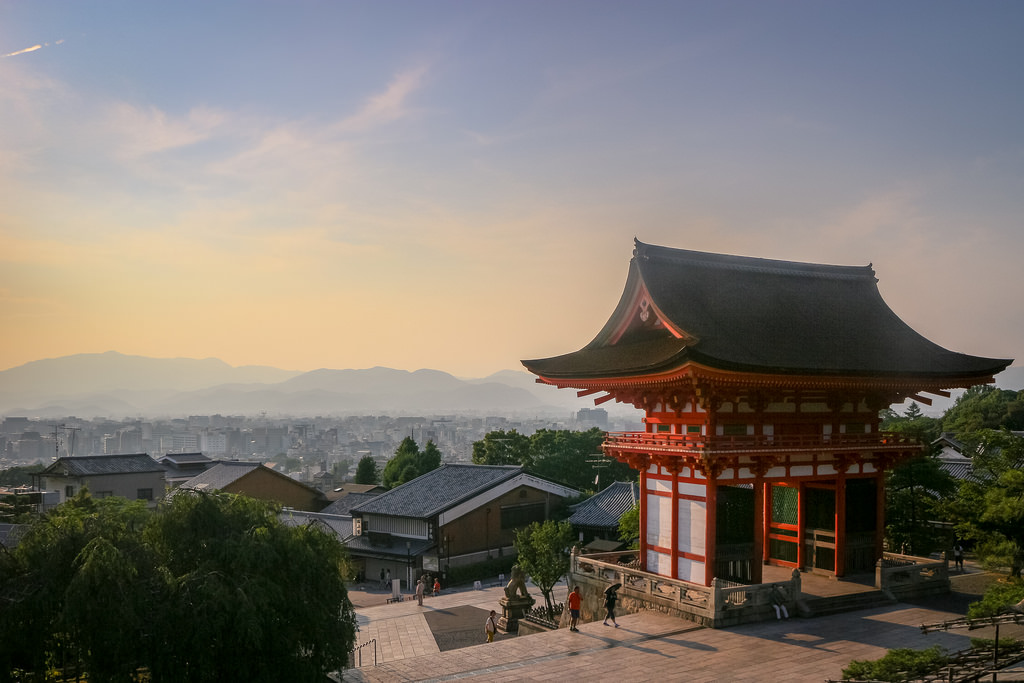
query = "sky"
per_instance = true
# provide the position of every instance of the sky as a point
(457, 185)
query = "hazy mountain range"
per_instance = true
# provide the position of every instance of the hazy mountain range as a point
(116, 385)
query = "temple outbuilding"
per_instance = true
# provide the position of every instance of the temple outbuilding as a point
(762, 383)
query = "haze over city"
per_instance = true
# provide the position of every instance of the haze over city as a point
(457, 185)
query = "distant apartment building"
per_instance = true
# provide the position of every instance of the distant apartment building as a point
(213, 442)
(135, 477)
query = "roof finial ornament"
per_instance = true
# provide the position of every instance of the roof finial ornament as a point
(638, 249)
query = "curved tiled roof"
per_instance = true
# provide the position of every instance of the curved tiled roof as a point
(437, 490)
(758, 315)
(605, 508)
(94, 465)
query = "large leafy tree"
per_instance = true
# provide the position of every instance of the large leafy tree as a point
(500, 447)
(543, 554)
(916, 488)
(212, 587)
(367, 471)
(985, 407)
(989, 507)
(629, 527)
(409, 462)
(571, 457)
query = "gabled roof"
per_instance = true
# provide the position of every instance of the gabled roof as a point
(222, 474)
(343, 505)
(605, 508)
(738, 313)
(95, 465)
(445, 488)
(178, 459)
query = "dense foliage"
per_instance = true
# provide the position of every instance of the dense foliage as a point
(902, 664)
(989, 507)
(629, 527)
(572, 458)
(409, 462)
(211, 587)
(985, 407)
(543, 553)
(367, 471)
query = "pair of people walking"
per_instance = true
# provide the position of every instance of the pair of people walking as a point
(611, 597)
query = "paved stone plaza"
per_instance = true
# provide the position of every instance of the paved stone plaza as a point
(647, 647)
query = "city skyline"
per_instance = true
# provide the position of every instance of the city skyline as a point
(458, 185)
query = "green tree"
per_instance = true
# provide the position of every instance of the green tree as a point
(916, 488)
(212, 587)
(401, 464)
(367, 471)
(989, 507)
(985, 407)
(561, 455)
(543, 553)
(575, 459)
(76, 582)
(500, 447)
(629, 527)
(19, 475)
(409, 462)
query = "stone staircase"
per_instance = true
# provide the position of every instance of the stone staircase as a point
(823, 606)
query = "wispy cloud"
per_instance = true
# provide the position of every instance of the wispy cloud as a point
(33, 48)
(387, 106)
(147, 130)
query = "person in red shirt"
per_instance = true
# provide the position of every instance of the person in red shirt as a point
(574, 608)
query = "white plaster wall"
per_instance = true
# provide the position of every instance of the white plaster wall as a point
(691, 570)
(657, 562)
(691, 526)
(688, 489)
(659, 521)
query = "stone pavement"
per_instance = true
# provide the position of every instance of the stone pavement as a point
(647, 647)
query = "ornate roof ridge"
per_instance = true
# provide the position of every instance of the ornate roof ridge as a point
(705, 259)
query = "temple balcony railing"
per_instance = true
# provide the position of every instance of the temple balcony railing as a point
(723, 603)
(698, 445)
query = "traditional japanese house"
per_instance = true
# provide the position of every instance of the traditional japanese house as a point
(761, 383)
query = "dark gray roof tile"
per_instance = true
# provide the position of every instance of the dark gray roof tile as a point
(437, 490)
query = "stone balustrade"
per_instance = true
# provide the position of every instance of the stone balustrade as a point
(721, 604)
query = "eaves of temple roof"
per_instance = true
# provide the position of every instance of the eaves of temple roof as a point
(686, 314)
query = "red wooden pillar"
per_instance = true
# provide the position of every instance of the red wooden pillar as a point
(766, 523)
(757, 555)
(643, 520)
(711, 530)
(674, 545)
(879, 515)
(841, 524)
(801, 551)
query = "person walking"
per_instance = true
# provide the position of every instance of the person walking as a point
(958, 556)
(437, 586)
(383, 586)
(574, 608)
(610, 597)
(419, 592)
(491, 626)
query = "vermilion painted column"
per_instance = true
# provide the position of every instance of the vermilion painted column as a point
(643, 520)
(879, 515)
(840, 524)
(674, 545)
(801, 551)
(711, 491)
(757, 556)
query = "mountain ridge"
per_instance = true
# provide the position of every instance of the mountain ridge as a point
(112, 384)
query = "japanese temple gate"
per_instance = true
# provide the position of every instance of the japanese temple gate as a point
(762, 382)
